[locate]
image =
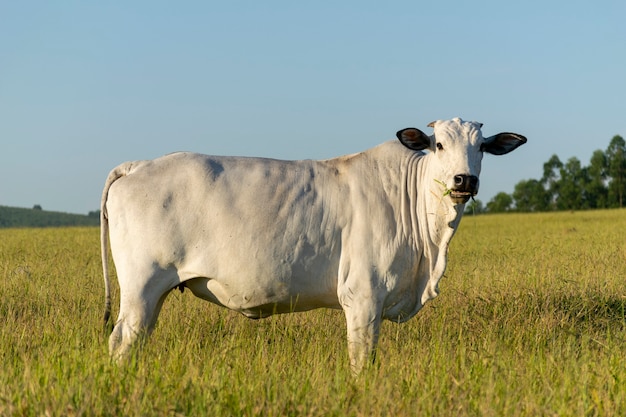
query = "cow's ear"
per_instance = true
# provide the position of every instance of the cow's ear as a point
(502, 143)
(414, 138)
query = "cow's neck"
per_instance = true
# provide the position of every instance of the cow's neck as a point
(434, 219)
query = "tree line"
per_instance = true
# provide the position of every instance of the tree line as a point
(37, 217)
(568, 185)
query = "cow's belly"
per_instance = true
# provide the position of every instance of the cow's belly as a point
(263, 272)
(260, 301)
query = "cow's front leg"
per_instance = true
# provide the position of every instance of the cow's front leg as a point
(363, 317)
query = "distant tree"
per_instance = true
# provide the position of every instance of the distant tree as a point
(616, 170)
(37, 207)
(571, 186)
(94, 214)
(551, 179)
(474, 207)
(596, 190)
(529, 195)
(501, 202)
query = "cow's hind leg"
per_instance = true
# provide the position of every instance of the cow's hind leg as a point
(139, 310)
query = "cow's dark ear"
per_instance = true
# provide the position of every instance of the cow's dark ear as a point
(414, 138)
(502, 143)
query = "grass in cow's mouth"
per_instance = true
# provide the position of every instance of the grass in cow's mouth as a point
(446, 190)
(455, 195)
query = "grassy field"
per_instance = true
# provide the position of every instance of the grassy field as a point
(530, 321)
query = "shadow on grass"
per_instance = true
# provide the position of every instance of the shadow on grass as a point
(573, 311)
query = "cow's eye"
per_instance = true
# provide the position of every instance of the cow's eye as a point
(439, 146)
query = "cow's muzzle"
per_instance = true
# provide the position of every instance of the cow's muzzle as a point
(465, 187)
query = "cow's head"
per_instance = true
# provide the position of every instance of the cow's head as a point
(457, 150)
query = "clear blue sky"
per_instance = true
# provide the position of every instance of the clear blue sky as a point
(87, 85)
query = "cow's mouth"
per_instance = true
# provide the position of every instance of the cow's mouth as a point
(461, 197)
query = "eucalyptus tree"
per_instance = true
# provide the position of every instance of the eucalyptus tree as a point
(616, 163)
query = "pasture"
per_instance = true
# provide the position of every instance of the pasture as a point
(531, 320)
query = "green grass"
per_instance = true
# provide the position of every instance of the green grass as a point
(530, 321)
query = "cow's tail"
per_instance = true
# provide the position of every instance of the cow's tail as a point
(114, 175)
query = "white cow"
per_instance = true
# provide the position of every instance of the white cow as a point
(367, 233)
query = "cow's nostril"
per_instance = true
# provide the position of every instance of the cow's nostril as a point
(466, 183)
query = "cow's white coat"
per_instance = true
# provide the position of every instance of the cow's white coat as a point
(367, 233)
